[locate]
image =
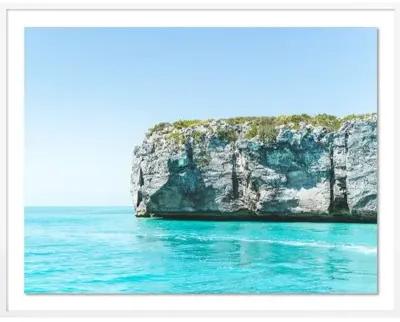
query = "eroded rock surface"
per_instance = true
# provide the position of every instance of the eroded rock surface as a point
(214, 170)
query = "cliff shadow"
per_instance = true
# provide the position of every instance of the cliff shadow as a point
(185, 190)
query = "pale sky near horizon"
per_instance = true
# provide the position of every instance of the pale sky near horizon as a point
(91, 93)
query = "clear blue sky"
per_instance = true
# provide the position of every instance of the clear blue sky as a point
(91, 93)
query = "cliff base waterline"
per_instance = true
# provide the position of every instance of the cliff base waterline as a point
(343, 218)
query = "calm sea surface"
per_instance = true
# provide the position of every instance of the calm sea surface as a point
(107, 250)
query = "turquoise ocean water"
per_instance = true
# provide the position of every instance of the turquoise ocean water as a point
(89, 250)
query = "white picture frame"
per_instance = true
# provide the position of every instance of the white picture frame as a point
(15, 16)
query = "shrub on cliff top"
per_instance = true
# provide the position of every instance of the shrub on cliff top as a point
(228, 135)
(240, 120)
(296, 119)
(158, 128)
(330, 122)
(184, 124)
(267, 133)
(352, 117)
(264, 127)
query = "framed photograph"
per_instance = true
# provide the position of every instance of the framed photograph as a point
(199, 160)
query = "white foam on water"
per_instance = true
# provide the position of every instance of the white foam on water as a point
(316, 244)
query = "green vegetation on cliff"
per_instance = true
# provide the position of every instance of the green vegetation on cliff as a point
(263, 127)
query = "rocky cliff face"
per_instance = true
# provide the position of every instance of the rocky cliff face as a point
(215, 169)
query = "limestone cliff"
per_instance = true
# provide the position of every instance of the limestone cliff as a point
(262, 168)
